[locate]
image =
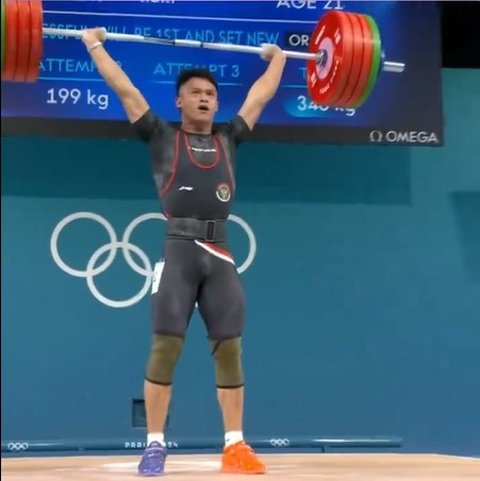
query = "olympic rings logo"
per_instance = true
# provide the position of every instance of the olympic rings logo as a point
(92, 269)
(17, 447)
(280, 443)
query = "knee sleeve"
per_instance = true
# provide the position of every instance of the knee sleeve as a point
(164, 355)
(228, 363)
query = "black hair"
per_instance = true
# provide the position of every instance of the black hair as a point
(185, 75)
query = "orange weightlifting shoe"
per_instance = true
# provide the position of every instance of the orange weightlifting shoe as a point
(240, 458)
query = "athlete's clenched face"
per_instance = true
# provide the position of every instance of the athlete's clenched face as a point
(198, 101)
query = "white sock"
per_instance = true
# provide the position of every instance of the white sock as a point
(233, 437)
(158, 437)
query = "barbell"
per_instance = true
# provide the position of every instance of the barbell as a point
(344, 60)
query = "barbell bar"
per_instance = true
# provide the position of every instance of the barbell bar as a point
(396, 67)
(344, 60)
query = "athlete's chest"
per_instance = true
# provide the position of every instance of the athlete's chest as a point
(201, 167)
(203, 151)
(202, 158)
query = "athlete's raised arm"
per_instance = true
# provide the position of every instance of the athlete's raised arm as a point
(265, 87)
(132, 100)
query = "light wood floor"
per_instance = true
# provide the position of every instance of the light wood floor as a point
(282, 467)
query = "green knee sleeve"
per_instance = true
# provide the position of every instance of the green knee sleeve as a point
(163, 358)
(228, 363)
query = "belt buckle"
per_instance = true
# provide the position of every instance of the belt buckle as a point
(211, 225)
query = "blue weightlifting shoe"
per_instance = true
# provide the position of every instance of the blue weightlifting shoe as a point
(153, 460)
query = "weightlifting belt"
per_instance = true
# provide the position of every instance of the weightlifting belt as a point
(189, 228)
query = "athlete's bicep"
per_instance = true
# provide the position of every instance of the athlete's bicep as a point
(134, 104)
(251, 110)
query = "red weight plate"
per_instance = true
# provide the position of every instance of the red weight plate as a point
(3, 28)
(36, 40)
(348, 60)
(23, 40)
(366, 65)
(357, 62)
(333, 35)
(11, 14)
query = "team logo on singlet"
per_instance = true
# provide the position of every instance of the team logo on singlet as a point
(223, 192)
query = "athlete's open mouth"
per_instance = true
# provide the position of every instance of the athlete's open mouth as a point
(204, 108)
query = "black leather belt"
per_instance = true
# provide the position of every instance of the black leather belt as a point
(189, 228)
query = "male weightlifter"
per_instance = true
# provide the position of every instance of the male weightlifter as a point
(193, 168)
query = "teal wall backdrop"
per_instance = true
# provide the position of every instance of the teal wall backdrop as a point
(363, 296)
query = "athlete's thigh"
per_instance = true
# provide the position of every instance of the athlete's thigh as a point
(222, 302)
(174, 289)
